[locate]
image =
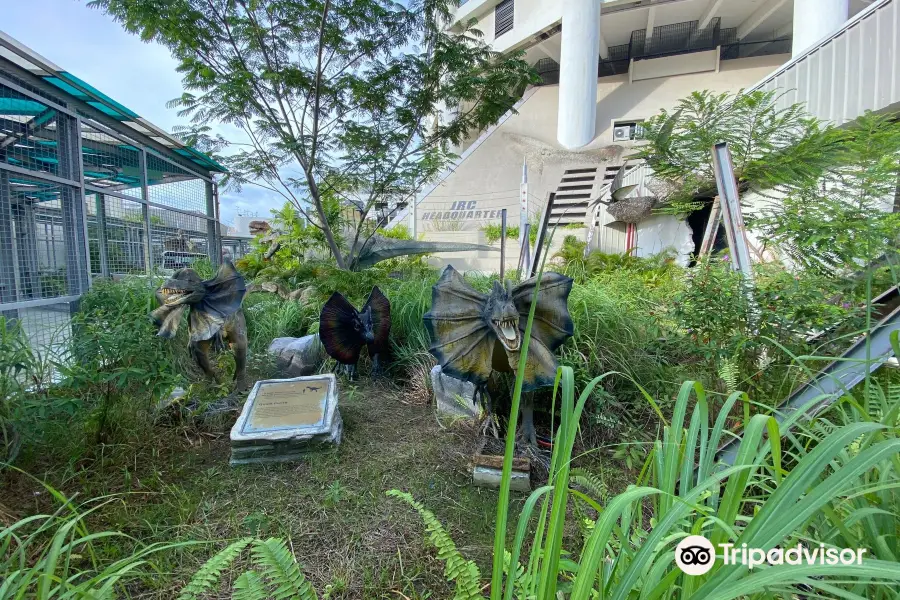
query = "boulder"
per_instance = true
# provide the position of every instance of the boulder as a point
(632, 210)
(453, 397)
(297, 357)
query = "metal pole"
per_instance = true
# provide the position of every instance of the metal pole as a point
(502, 243)
(523, 202)
(413, 215)
(731, 209)
(541, 235)
(145, 213)
(8, 292)
(524, 252)
(72, 206)
(102, 239)
(213, 250)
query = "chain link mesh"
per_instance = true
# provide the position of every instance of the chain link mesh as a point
(55, 234)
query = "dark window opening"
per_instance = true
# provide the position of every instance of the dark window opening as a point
(697, 221)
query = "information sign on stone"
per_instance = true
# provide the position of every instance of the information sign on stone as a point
(283, 419)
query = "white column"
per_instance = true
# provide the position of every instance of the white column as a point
(579, 57)
(815, 19)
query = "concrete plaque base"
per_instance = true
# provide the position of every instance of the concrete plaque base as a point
(283, 419)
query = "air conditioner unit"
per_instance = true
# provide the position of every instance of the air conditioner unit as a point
(622, 133)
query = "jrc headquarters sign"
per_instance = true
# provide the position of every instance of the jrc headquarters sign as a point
(463, 210)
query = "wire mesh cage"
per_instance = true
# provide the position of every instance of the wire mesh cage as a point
(80, 197)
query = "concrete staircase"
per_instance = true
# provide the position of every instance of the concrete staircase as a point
(576, 188)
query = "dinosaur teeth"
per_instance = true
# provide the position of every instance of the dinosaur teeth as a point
(508, 328)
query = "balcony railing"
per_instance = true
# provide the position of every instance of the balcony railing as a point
(670, 40)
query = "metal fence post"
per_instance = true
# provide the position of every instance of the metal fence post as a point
(102, 239)
(7, 256)
(213, 247)
(72, 206)
(145, 213)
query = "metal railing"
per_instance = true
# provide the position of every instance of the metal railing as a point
(855, 69)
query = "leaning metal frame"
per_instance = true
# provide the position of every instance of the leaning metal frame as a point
(42, 302)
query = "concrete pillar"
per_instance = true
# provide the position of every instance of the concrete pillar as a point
(578, 63)
(815, 19)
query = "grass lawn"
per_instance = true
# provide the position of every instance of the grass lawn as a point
(175, 484)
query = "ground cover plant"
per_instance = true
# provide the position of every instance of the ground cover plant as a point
(845, 502)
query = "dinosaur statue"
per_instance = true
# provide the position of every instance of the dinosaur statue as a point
(215, 315)
(473, 334)
(344, 330)
(378, 248)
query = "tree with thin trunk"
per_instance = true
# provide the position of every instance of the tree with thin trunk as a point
(364, 98)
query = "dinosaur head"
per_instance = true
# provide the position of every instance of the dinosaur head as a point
(210, 302)
(344, 330)
(467, 328)
(184, 287)
(503, 317)
(365, 326)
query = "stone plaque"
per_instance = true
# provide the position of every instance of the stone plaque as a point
(283, 419)
(288, 405)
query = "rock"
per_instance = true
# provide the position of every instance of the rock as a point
(489, 477)
(454, 397)
(297, 357)
(632, 210)
(307, 295)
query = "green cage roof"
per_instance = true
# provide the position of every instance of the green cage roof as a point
(24, 57)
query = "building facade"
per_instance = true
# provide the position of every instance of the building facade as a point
(606, 66)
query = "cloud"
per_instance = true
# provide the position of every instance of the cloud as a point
(252, 201)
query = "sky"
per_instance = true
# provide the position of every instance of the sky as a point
(141, 76)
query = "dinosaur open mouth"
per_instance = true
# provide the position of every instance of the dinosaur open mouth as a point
(174, 296)
(508, 333)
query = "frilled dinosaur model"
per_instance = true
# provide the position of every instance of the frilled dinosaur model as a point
(473, 334)
(377, 248)
(344, 330)
(215, 316)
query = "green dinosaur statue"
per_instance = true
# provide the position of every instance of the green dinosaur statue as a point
(473, 334)
(215, 315)
(378, 248)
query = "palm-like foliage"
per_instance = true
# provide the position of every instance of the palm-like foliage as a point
(769, 146)
(839, 491)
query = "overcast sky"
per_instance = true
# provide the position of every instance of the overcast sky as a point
(141, 76)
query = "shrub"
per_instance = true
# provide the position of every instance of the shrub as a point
(724, 325)
(827, 493)
(116, 356)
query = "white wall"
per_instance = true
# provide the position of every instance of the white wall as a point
(490, 176)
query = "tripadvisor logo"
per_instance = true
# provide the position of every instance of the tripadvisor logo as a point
(695, 555)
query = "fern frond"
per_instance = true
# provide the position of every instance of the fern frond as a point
(463, 573)
(208, 576)
(281, 571)
(249, 586)
(591, 483)
(521, 580)
(729, 372)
